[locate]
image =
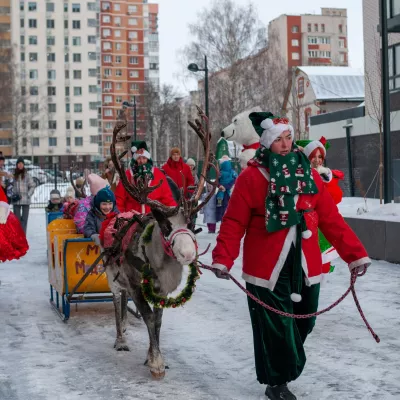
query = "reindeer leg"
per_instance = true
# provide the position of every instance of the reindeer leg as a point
(124, 309)
(120, 341)
(158, 312)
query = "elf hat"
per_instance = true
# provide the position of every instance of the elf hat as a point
(96, 183)
(104, 195)
(310, 145)
(139, 149)
(269, 127)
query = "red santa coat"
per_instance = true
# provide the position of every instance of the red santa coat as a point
(162, 194)
(264, 253)
(175, 169)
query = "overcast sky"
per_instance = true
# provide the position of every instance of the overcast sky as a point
(175, 15)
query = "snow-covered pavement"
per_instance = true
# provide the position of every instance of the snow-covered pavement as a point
(207, 344)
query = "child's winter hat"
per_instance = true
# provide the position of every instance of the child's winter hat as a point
(70, 192)
(139, 149)
(104, 195)
(79, 182)
(224, 158)
(55, 194)
(310, 145)
(96, 183)
(175, 150)
(190, 161)
(269, 127)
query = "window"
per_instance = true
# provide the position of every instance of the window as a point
(68, 141)
(78, 108)
(92, 22)
(76, 41)
(23, 91)
(106, 32)
(33, 40)
(312, 40)
(65, 24)
(315, 27)
(295, 29)
(51, 57)
(107, 59)
(67, 108)
(66, 57)
(108, 86)
(117, 33)
(118, 86)
(22, 23)
(91, 7)
(77, 74)
(51, 40)
(117, 21)
(94, 139)
(66, 40)
(93, 105)
(32, 6)
(295, 43)
(76, 57)
(106, 6)
(107, 99)
(133, 35)
(132, 21)
(300, 86)
(21, 5)
(118, 72)
(134, 87)
(35, 142)
(342, 58)
(78, 124)
(92, 39)
(132, 9)
(133, 60)
(77, 91)
(34, 91)
(52, 124)
(50, 7)
(106, 19)
(118, 46)
(322, 27)
(313, 54)
(118, 59)
(67, 90)
(50, 23)
(22, 40)
(23, 107)
(107, 46)
(65, 7)
(134, 74)
(32, 23)
(308, 27)
(67, 124)
(76, 7)
(118, 99)
(92, 89)
(76, 24)
(341, 44)
(108, 112)
(295, 56)
(325, 54)
(92, 72)
(117, 7)
(325, 40)
(109, 125)
(52, 142)
(52, 107)
(51, 91)
(51, 74)
(134, 47)
(78, 140)
(340, 28)
(34, 108)
(92, 56)
(34, 125)
(107, 72)
(33, 74)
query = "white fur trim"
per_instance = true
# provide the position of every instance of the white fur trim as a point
(295, 297)
(272, 131)
(315, 144)
(329, 255)
(265, 283)
(144, 154)
(365, 261)
(221, 267)
(264, 173)
(4, 212)
(306, 234)
(133, 149)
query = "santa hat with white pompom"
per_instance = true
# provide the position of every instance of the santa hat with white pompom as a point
(139, 149)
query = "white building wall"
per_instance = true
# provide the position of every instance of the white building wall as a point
(42, 65)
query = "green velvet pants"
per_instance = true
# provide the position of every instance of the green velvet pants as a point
(278, 341)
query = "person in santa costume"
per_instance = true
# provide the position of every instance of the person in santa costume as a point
(315, 150)
(13, 243)
(142, 165)
(278, 204)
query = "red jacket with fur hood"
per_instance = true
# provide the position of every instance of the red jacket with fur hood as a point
(175, 169)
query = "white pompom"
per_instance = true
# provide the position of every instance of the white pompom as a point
(267, 123)
(306, 234)
(133, 149)
(295, 297)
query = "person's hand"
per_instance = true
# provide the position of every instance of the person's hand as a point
(222, 189)
(361, 270)
(96, 238)
(221, 273)
(323, 170)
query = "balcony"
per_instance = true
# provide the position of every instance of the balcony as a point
(393, 11)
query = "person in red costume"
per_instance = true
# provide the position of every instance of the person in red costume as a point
(178, 171)
(13, 243)
(141, 165)
(278, 204)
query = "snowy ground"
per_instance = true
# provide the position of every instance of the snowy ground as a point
(207, 344)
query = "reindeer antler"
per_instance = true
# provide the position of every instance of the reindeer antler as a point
(81, 191)
(191, 207)
(141, 190)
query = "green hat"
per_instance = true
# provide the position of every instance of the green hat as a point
(310, 145)
(139, 148)
(257, 117)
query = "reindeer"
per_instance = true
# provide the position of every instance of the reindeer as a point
(172, 246)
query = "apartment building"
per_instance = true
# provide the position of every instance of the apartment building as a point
(129, 59)
(5, 77)
(77, 62)
(311, 39)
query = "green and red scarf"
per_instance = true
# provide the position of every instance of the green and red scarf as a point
(141, 171)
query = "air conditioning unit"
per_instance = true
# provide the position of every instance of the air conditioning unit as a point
(50, 99)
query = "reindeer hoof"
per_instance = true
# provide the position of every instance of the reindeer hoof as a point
(158, 375)
(120, 345)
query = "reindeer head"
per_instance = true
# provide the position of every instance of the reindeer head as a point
(175, 223)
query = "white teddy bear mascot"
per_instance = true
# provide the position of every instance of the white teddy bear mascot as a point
(242, 132)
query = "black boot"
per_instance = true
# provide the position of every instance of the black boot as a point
(280, 392)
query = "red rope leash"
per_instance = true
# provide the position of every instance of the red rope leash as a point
(353, 278)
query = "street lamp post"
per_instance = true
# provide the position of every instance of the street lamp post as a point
(134, 118)
(195, 68)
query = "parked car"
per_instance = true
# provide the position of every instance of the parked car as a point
(38, 175)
